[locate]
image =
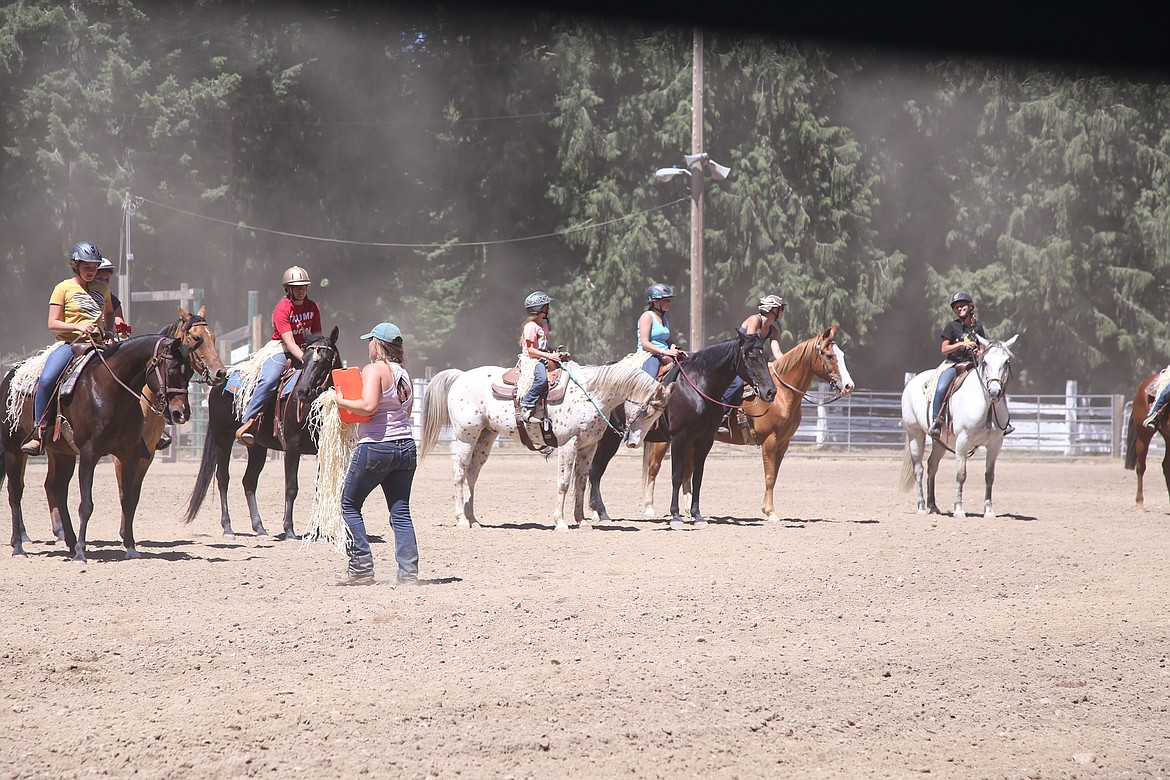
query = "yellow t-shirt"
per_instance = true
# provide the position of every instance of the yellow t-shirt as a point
(80, 304)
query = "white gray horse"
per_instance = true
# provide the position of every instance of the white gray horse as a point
(979, 413)
(464, 400)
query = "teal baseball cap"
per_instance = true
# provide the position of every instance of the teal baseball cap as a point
(384, 331)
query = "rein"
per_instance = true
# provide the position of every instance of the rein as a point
(596, 406)
(804, 394)
(691, 382)
(155, 364)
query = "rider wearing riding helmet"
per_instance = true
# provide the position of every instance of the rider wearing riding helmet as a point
(960, 344)
(765, 322)
(534, 341)
(654, 329)
(76, 311)
(295, 318)
(116, 323)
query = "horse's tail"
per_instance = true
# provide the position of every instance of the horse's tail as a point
(908, 481)
(203, 480)
(434, 412)
(1131, 438)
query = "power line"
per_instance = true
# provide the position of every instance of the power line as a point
(567, 231)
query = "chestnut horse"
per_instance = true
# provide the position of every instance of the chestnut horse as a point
(108, 416)
(772, 428)
(293, 437)
(1138, 437)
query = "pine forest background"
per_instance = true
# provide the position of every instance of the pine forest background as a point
(431, 166)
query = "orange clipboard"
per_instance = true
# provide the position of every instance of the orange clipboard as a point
(349, 382)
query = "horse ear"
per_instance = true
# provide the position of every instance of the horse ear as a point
(830, 333)
(203, 312)
(333, 335)
(1011, 341)
(183, 315)
(982, 341)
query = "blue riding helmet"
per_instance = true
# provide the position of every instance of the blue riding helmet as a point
(536, 301)
(657, 292)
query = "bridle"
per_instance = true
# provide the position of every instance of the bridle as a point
(314, 392)
(986, 382)
(193, 347)
(160, 363)
(833, 385)
(739, 358)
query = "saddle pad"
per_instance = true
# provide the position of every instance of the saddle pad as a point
(73, 371)
(1160, 382)
(234, 381)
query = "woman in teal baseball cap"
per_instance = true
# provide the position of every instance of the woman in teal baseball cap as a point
(385, 457)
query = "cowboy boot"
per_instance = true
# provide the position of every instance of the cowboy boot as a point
(164, 441)
(244, 433)
(32, 445)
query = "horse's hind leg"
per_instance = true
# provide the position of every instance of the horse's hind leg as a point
(467, 460)
(223, 457)
(937, 451)
(256, 457)
(292, 486)
(14, 463)
(85, 509)
(1165, 471)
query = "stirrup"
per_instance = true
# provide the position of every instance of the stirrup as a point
(32, 447)
(1151, 422)
(244, 434)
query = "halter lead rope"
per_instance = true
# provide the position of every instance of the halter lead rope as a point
(596, 406)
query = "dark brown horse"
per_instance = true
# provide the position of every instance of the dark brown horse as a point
(1138, 437)
(293, 437)
(693, 414)
(117, 407)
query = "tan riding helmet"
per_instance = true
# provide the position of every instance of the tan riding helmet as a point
(296, 276)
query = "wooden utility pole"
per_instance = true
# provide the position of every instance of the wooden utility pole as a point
(698, 335)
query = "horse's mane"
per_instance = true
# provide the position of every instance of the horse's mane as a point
(112, 349)
(797, 354)
(624, 377)
(713, 355)
(180, 325)
(318, 338)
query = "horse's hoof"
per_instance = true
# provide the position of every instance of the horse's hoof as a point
(19, 554)
(290, 537)
(79, 563)
(959, 514)
(563, 527)
(230, 535)
(462, 523)
(990, 516)
(133, 554)
(677, 524)
(700, 522)
(649, 512)
(584, 526)
(773, 518)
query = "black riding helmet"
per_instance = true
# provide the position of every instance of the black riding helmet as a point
(962, 297)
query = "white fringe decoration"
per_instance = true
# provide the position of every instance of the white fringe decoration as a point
(336, 442)
(24, 382)
(1161, 382)
(250, 369)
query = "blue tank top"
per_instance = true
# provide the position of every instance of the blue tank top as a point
(659, 334)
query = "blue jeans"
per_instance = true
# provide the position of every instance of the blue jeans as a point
(735, 386)
(944, 381)
(539, 387)
(651, 365)
(1163, 397)
(267, 386)
(390, 464)
(54, 365)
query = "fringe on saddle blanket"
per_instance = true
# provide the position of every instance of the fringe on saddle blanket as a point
(336, 442)
(1161, 382)
(24, 382)
(250, 369)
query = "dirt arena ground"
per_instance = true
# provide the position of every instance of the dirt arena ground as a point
(854, 639)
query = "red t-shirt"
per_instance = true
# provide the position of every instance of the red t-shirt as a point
(301, 321)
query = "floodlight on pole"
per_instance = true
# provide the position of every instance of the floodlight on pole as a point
(666, 174)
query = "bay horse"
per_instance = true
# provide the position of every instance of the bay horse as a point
(108, 416)
(1138, 437)
(465, 401)
(979, 413)
(772, 424)
(199, 340)
(693, 416)
(293, 437)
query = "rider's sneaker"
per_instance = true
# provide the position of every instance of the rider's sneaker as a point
(1151, 422)
(31, 447)
(350, 578)
(722, 430)
(164, 441)
(935, 431)
(526, 413)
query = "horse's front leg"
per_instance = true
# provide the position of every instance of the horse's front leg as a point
(580, 477)
(773, 450)
(993, 448)
(602, 455)
(566, 461)
(257, 455)
(961, 450)
(131, 471)
(292, 464)
(85, 508)
(915, 445)
(61, 469)
(699, 462)
(678, 475)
